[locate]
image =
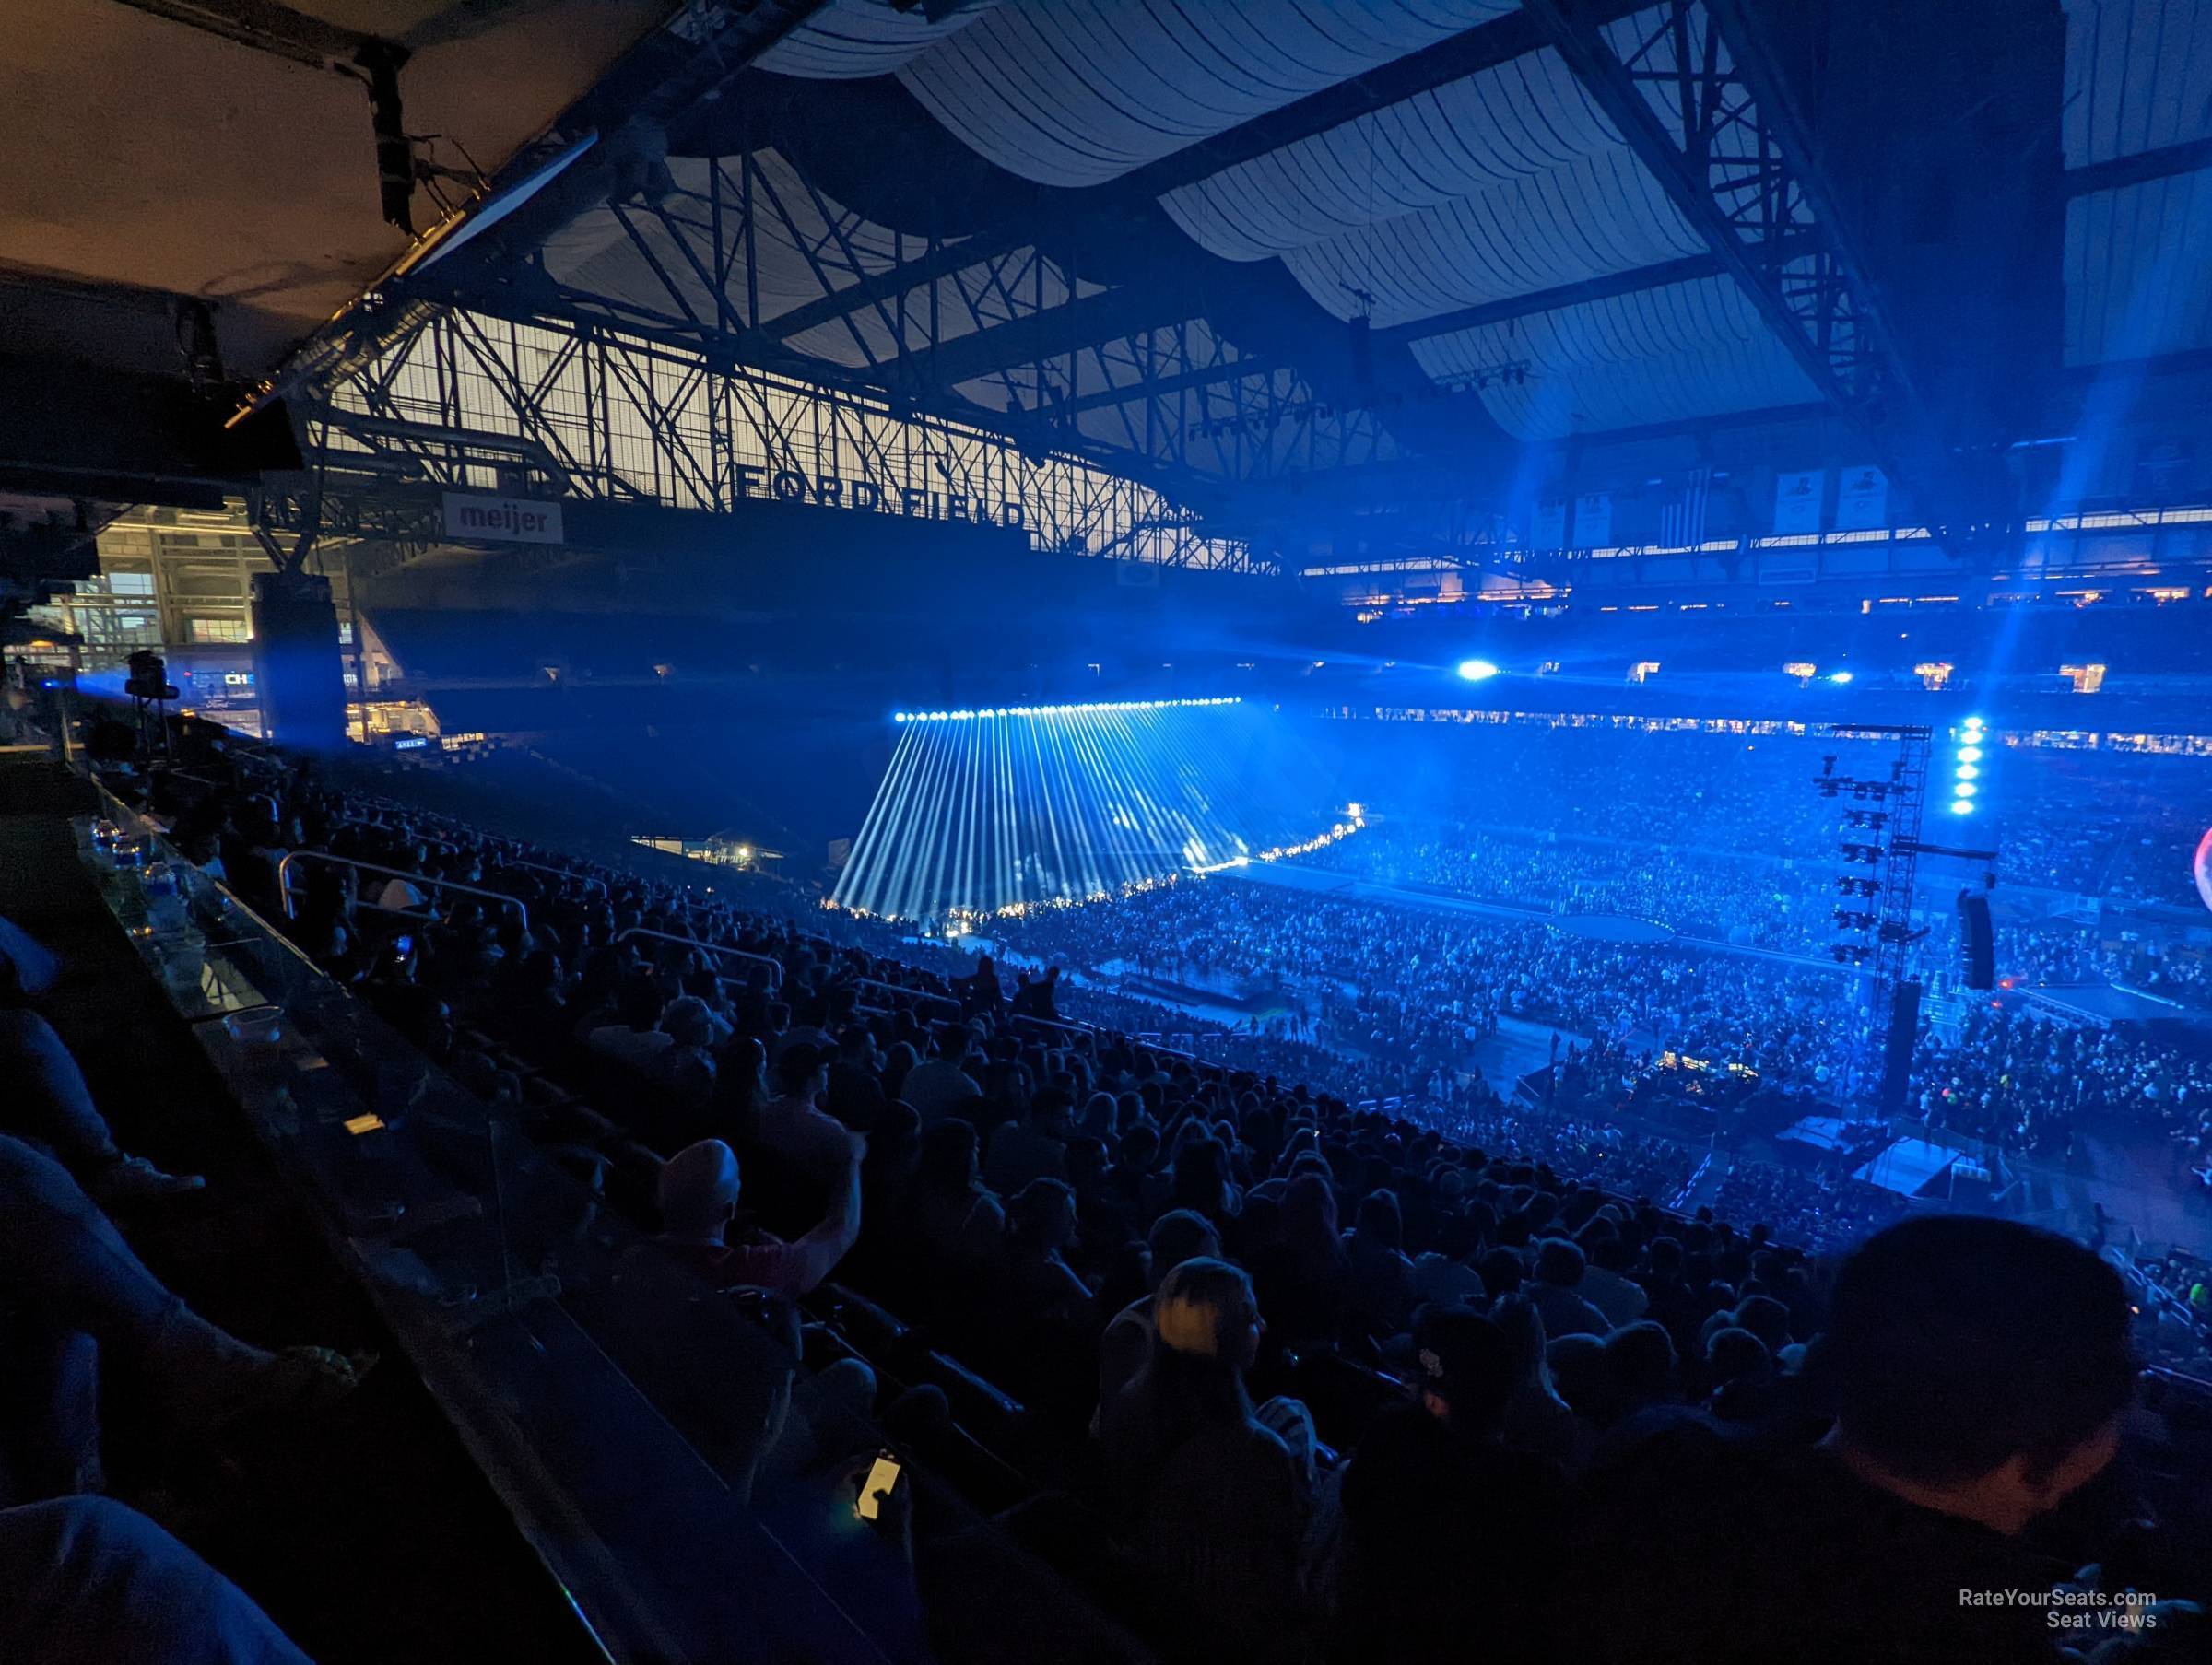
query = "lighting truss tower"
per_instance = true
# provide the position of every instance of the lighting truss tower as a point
(1894, 935)
(1882, 849)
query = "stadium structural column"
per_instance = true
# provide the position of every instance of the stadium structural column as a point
(295, 660)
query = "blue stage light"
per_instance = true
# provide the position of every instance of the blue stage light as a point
(1967, 771)
(1965, 788)
(1476, 670)
(1960, 806)
(997, 810)
(1839, 676)
(965, 715)
(1970, 754)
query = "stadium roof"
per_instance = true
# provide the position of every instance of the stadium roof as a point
(1267, 238)
(1235, 243)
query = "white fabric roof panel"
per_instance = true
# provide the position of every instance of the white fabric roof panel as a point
(2138, 77)
(2137, 283)
(1500, 184)
(1666, 355)
(1598, 216)
(1077, 92)
(850, 40)
(1505, 124)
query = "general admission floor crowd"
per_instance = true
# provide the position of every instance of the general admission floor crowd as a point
(1297, 1379)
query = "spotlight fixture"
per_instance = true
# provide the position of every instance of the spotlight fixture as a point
(1476, 670)
(1967, 766)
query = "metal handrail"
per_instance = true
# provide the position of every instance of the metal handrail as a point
(562, 872)
(284, 882)
(1053, 1023)
(775, 968)
(942, 1000)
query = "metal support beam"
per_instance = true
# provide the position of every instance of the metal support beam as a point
(1692, 94)
(1632, 281)
(1486, 46)
(619, 419)
(693, 58)
(263, 25)
(887, 287)
(1686, 270)
(2139, 168)
(1235, 369)
(1059, 330)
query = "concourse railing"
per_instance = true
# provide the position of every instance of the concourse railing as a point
(1060, 1023)
(575, 878)
(917, 995)
(774, 969)
(283, 884)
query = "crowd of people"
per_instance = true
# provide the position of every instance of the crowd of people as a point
(1332, 1371)
(2117, 827)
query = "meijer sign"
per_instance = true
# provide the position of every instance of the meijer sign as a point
(506, 520)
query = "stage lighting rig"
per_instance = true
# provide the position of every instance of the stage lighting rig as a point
(1967, 766)
(1882, 833)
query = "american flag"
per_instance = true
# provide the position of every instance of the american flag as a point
(1682, 522)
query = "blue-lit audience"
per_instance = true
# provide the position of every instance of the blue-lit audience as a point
(1335, 1352)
